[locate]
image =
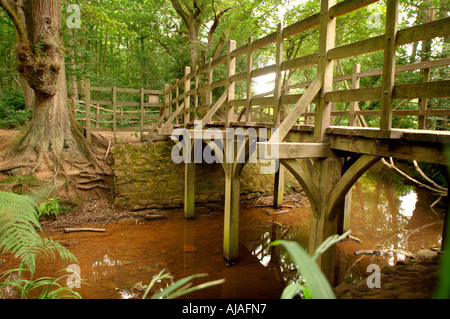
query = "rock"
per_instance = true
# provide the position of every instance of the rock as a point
(425, 253)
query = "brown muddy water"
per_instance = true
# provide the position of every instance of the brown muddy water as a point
(120, 262)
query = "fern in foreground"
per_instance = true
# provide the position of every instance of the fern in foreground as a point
(19, 226)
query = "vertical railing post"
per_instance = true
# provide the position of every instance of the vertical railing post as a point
(177, 102)
(231, 70)
(426, 48)
(287, 91)
(248, 110)
(166, 108)
(187, 99)
(87, 113)
(355, 85)
(97, 112)
(142, 115)
(278, 77)
(114, 107)
(389, 64)
(209, 102)
(196, 93)
(325, 69)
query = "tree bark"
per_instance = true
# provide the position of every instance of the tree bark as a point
(53, 137)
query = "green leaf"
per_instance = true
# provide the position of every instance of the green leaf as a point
(314, 278)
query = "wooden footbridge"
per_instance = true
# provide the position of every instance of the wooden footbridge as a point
(326, 159)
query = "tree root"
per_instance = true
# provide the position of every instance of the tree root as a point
(14, 165)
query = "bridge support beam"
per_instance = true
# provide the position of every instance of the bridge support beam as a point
(322, 222)
(231, 213)
(326, 182)
(278, 191)
(189, 190)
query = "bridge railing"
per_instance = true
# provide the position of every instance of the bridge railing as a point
(195, 95)
(113, 109)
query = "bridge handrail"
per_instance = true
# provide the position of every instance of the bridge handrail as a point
(274, 108)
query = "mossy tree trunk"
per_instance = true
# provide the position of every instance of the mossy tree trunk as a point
(53, 136)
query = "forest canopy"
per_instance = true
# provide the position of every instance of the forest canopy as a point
(134, 43)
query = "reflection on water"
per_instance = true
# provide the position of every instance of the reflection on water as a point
(388, 215)
(120, 262)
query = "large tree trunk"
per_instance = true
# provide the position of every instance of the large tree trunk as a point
(53, 138)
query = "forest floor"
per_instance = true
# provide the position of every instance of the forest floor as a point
(412, 279)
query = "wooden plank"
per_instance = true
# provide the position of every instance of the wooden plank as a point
(348, 6)
(422, 90)
(354, 95)
(239, 77)
(127, 90)
(214, 109)
(173, 116)
(302, 25)
(298, 109)
(401, 149)
(102, 89)
(101, 102)
(357, 48)
(294, 150)
(425, 31)
(300, 62)
(264, 71)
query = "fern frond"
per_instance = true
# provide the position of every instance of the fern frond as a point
(19, 222)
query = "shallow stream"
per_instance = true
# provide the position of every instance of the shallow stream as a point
(121, 261)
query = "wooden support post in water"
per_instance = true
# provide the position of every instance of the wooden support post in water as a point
(87, 113)
(327, 172)
(231, 214)
(278, 191)
(189, 190)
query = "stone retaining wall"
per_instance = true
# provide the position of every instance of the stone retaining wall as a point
(146, 177)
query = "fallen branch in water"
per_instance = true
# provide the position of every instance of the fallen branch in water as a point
(442, 192)
(94, 230)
